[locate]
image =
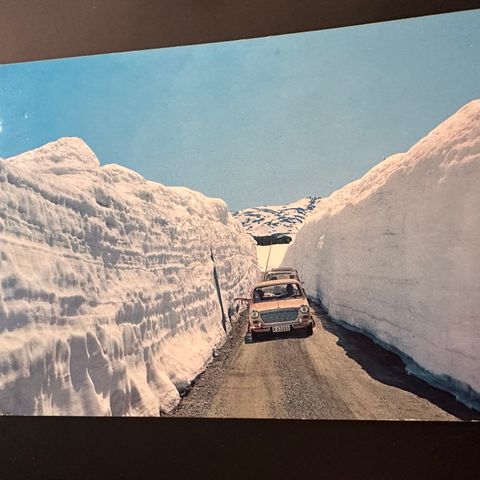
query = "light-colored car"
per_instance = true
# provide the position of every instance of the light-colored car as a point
(278, 269)
(278, 274)
(278, 306)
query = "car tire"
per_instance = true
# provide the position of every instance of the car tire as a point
(248, 338)
(309, 330)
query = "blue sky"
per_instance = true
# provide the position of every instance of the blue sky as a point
(254, 122)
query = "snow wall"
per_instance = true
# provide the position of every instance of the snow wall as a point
(397, 254)
(108, 304)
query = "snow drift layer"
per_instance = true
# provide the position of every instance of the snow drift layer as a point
(108, 303)
(397, 253)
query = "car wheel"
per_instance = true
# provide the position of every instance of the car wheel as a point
(248, 338)
(309, 330)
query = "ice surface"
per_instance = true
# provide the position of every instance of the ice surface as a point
(397, 252)
(107, 296)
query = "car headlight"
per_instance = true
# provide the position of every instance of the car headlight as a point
(254, 314)
(304, 309)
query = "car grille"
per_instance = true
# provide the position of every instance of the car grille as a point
(287, 315)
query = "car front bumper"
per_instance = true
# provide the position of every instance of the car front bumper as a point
(293, 326)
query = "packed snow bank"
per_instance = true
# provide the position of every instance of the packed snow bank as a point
(271, 257)
(397, 253)
(108, 303)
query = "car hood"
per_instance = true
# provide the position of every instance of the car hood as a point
(279, 304)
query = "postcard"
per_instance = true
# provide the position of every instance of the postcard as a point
(281, 227)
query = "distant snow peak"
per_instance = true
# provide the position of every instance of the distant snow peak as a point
(267, 220)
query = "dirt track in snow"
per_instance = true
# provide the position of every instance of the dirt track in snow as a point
(334, 374)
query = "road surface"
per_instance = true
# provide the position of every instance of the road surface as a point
(334, 374)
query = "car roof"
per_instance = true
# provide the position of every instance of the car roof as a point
(281, 269)
(280, 281)
(281, 272)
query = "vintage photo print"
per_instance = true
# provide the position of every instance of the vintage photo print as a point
(281, 227)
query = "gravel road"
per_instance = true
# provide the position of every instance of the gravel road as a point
(334, 374)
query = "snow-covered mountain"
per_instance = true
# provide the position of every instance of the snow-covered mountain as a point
(108, 301)
(259, 221)
(397, 253)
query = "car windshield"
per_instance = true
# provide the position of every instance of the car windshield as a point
(276, 292)
(279, 275)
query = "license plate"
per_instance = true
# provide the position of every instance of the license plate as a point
(281, 328)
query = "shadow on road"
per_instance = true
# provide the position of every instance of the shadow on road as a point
(388, 368)
(268, 336)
